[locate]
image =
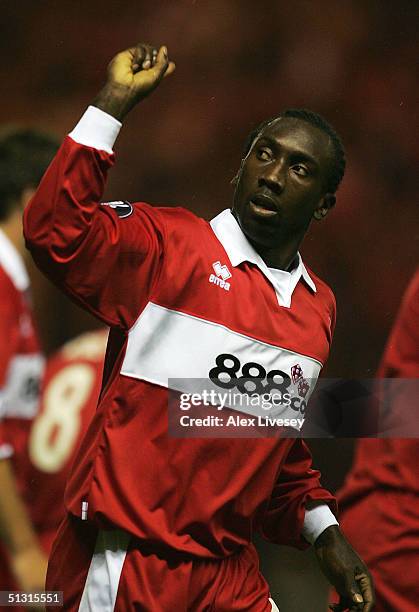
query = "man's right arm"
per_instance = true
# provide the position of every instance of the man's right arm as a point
(99, 259)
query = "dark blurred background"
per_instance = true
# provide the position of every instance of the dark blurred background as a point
(239, 62)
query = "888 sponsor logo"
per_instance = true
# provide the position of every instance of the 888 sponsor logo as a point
(253, 379)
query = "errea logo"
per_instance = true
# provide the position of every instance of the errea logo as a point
(222, 273)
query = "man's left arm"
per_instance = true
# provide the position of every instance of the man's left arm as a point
(297, 490)
(301, 512)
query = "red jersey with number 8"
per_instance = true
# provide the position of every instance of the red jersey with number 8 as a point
(70, 391)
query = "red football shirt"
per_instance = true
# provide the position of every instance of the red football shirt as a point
(70, 390)
(391, 463)
(183, 298)
(21, 367)
(21, 363)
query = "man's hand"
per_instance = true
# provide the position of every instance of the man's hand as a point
(345, 571)
(132, 75)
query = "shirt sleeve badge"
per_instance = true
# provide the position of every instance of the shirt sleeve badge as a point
(122, 208)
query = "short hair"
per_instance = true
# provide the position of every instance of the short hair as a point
(25, 155)
(339, 161)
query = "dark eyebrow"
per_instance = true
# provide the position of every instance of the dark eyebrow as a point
(296, 155)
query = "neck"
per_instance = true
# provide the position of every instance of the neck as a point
(279, 257)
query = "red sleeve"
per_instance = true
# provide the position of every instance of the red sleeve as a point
(398, 374)
(106, 263)
(8, 323)
(297, 484)
(7, 349)
(401, 356)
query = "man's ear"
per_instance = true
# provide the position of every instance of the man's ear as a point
(325, 204)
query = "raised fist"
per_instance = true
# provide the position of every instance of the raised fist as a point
(132, 75)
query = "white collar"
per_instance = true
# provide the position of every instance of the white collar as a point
(12, 262)
(239, 249)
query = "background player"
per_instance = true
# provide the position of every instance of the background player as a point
(132, 403)
(69, 394)
(24, 157)
(379, 501)
(70, 390)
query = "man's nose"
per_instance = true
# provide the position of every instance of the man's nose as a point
(273, 179)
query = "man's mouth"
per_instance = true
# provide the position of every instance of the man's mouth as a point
(263, 206)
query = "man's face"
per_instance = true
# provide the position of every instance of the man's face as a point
(282, 182)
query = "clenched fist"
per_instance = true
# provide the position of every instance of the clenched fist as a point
(132, 75)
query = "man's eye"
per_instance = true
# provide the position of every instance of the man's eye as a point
(264, 154)
(300, 170)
